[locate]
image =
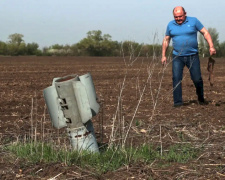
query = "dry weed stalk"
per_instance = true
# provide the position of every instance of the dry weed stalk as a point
(118, 123)
(160, 139)
(32, 124)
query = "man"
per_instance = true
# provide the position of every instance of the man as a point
(183, 31)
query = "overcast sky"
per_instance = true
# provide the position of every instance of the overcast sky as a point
(49, 22)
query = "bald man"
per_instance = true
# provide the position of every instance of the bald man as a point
(183, 31)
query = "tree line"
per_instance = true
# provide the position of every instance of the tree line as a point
(98, 44)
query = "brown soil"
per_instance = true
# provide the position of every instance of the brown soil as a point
(22, 80)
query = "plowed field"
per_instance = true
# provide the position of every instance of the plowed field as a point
(135, 95)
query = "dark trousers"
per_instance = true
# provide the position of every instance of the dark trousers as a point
(193, 64)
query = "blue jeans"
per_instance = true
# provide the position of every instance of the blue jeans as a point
(193, 64)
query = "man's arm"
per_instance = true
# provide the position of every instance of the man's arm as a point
(208, 38)
(165, 44)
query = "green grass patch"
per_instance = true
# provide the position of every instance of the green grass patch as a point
(180, 153)
(108, 160)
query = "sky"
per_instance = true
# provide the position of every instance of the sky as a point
(48, 22)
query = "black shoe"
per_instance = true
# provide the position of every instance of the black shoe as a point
(203, 102)
(178, 105)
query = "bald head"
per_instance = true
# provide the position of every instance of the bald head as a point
(179, 9)
(179, 14)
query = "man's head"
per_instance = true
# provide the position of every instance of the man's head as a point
(179, 14)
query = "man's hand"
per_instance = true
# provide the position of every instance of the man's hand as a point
(164, 60)
(212, 51)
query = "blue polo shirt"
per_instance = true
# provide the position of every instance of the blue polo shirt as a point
(184, 36)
